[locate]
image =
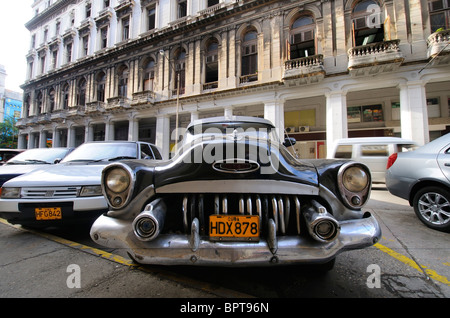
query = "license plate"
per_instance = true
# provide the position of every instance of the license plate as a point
(234, 227)
(45, 214)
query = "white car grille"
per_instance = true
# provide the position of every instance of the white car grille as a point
(50, 193)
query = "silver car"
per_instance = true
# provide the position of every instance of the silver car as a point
(423, 178)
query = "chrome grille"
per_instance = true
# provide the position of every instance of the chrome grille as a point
(285, 210)
(50, 192)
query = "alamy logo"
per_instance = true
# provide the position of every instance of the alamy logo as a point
(74, 279)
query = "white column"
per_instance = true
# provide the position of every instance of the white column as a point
(133, 129)
(274, 111)
(414, 112)
(43, 139)
(109, 130)
(162, 139)
(194, 116)
(21, 142)
(56, 138)
(336, 116)
(228, 112)
(71, 136)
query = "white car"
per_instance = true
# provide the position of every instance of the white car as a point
(69, 192)
(30, 160)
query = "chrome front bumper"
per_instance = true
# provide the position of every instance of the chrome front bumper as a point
(177, 249)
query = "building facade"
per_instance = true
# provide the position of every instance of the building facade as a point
(320, 70)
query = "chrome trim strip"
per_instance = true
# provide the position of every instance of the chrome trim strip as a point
(240, 186)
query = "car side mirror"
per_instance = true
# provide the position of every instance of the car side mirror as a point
(57, 160)
(289, 141)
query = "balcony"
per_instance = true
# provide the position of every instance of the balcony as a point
(304, 70)
(76, 111)
(143, 98)
(95, 108)
(439, 47)
(118, 103)
(374, 58)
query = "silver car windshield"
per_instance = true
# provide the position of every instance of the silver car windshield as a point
(102, 152)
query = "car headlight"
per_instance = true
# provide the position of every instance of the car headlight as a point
(91, 191)
(11, 193)
(354, 181)
(117, 180)
(117, 184)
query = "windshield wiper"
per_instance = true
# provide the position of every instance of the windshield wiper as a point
(121, 157)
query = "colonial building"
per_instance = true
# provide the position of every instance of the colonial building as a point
(319, 69)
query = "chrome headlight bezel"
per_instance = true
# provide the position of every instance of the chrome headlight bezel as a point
(119, 195)
(90, 191)
(354, 182)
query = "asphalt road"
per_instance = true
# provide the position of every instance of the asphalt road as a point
(410, 261)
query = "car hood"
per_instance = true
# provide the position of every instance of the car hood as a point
(19, 169)
(60, 175)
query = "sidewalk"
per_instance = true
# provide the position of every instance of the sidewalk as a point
(39, 265)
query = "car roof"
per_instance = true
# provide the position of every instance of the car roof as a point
(373, 140)
(435, 145)
(231, 119)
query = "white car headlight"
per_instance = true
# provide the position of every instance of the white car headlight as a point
(11, 193)
(91, 191)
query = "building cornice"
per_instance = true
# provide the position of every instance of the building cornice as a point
(53, 9)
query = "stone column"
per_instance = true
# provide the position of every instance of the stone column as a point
(336, 116)
(162, 139)
(274, 111)
(414, 112)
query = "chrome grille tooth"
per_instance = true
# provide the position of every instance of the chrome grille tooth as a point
(249, 205)
(201, 213)
(241, 204)
(259, 209)
(281, 215)
(287, 205)
(275, 211)
(225, 204)
(217, 204)
(185, 212)
(297, 213)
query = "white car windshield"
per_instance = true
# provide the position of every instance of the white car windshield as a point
(39, 156)
(102, 152)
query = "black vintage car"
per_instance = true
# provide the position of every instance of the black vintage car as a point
(234, 196)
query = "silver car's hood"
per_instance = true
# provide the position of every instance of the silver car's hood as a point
(19, 169)
(59, 175)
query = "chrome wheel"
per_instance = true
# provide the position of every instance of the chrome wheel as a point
(432, 206)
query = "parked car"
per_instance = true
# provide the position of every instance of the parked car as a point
(70, 191)
(7, 153)
(373, 152)
(234, 196)
(423, 178)
(30, 160)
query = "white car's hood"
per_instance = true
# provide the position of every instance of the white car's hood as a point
(59, 175)
(19, 169)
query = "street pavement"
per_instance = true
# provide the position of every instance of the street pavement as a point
(39, 265)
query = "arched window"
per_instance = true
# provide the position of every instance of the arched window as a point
(123, 81)
(180, 71)
(212, 62)
(249, 62)
(26, 107)
(81, 92)
(149, 75)
(367, 23)
(101, 82)
(51, 100)
(302, 43)
(65, 96)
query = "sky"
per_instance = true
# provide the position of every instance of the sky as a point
(14, 40)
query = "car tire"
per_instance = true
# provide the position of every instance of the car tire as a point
(432, 207)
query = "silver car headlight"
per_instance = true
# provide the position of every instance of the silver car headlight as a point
(117, 184)
(10, 193)
(354, 181)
